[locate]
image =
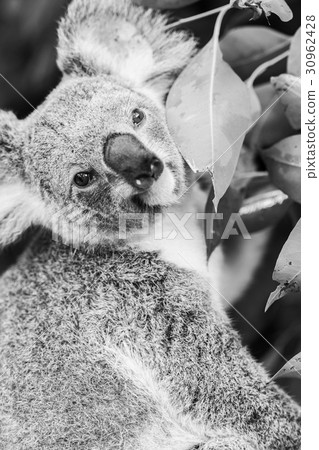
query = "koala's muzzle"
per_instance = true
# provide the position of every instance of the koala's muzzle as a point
(128, 157)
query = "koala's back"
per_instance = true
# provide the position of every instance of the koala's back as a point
(121, 350)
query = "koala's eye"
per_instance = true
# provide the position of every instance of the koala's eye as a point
(83, 179)
(137, 117)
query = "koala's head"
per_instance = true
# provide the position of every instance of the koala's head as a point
(98, 147)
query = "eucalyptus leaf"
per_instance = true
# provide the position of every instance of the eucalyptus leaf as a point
(283, 161)
(294, 58)
(288, 88)
(288, 267)
(246, 48)
(260, 96)
(255, 105)
(215, 227)
(273, 126)
(265, 93)
(292, 369)
(208, 113)
(246, 166)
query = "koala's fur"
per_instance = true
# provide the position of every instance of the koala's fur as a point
(110, 346)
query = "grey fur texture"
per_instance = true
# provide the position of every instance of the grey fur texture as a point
(107, 346)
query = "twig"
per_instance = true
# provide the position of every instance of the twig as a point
(193, 18)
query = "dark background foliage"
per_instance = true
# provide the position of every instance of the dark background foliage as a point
(27, 61)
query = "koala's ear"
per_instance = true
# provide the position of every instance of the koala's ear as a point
(128, 42)
(11, 163)
(19, 208)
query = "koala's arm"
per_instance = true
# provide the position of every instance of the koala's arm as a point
(264, 411)
(226, 386)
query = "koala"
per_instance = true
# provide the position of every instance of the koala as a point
(108, 342)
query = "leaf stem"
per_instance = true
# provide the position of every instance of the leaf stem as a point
(195, 17)
(248, 175)
(263, 67)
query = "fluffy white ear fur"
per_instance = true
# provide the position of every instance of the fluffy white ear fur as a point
(11, 137)
(117, 38)
(19, 209)
(8, 123)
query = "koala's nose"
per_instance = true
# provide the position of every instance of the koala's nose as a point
(127, 156)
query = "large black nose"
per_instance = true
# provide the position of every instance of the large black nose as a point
(127, 156)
